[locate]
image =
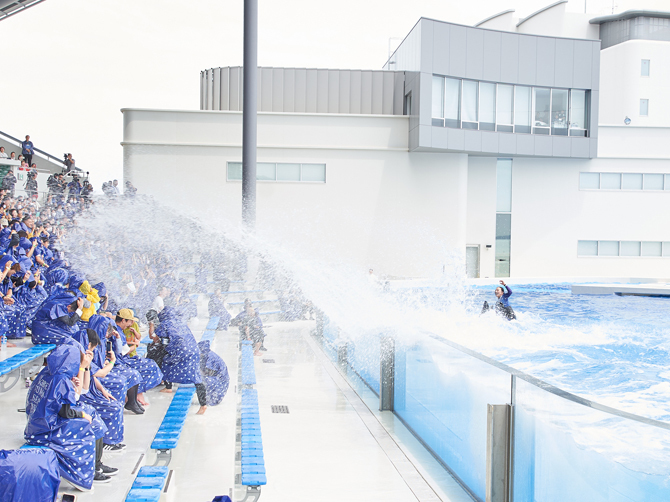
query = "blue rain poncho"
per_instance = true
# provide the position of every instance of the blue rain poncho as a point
(181, 363)
(29, 474)
(214, 374)
(147, 368)
(73, 439)
(216, 308)
(46, 326)
(122, 377)
(29, 300)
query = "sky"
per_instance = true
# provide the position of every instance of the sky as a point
(69, 66)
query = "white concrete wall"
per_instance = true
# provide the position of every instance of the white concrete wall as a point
(550, 214)
(622, 86)
(402, 214)
(482, 211)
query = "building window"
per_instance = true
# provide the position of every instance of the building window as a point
(270, 171)
(624, 181)
(652, 249)
(644, 107)
(503, 217)
(489, 106)
(645, 67)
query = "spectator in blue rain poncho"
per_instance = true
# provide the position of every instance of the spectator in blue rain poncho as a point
(216, 308)
(148, 369)
(181, 362)
(56, 419)
(121, 380)
(57, 319)
(29, 297)
(56, 280)
(29, 474)
(214, 373)
(108, 408)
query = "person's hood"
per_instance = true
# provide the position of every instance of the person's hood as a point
(64, 360)
(102, 289)
(26, 264)
(59, 276)
(76, 280)
(85, 288)
(4, 260)
(99, 324)
(25, 243)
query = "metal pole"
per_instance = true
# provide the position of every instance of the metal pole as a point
(249, 109)
(386, 373)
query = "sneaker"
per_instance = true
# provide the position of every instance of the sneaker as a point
(101, 478)
(134, 408)
(263, 349)
(108, 471)
(114, 447)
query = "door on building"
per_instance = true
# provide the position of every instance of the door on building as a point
(472, 261)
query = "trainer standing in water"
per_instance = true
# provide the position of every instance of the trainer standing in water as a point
(502, 306)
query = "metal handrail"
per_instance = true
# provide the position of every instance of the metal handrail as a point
(551, 388)
(48, 156)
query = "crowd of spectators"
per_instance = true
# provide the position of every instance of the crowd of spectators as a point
(81, 274)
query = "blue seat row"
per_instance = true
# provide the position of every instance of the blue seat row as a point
(170, 430)
(253, 462)
(9, 367)
(248, 373)
(148, 484)
(213, 322)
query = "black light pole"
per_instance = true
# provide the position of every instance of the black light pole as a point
(249, 109)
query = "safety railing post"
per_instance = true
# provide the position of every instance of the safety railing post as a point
(386, 373)
(497, 452)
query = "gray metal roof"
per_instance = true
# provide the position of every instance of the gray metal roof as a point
(540, 11)
(630, 14)
(10, 7)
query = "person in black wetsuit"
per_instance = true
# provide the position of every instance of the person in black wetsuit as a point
(502, 306)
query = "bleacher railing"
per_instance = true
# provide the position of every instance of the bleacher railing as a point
(505, 435)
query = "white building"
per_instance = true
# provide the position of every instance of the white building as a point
(536, 147)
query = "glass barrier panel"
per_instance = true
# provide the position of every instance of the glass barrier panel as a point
(565, 451)
(442, 395)
(363, 356)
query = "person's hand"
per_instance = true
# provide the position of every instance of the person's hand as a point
(87, 417)
(76, 381)
(8, 265)
(80, 303)
(34, 244)
(112, 357)
(8, 300)
(107, 395)
(134, 332)
(502, 282)
(26, 276)
(88, 357)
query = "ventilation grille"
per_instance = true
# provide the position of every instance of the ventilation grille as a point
(268, 360)
(279, 408)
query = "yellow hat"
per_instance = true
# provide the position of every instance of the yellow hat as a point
(127, 314)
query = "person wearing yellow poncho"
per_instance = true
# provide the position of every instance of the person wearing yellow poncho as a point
(92, 296)
(132, 338)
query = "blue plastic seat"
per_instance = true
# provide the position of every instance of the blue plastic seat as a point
(149, 482)
(143, 495)
(153, 471)
(254, 479)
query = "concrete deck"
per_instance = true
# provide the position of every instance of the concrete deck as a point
(333, 445)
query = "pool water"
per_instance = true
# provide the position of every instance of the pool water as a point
(612, 349)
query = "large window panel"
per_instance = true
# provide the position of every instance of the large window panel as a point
(559, 112)
(234, 171)
(541, 104)
(469, 114)
(610, 181)
(666, 185)
(504, 186)
(313, 172)
(487, 106)
(503, 244)
(630, 248)
(653, 182)
(587, 248)
(666, 249)
(578, 113)
(266, 172)
(631, 181)
(437, 108)
(589, 181)
(652, 249)
(522, 109)
(608, 248)
(288, 172)
(452, 102)
(505, 108)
